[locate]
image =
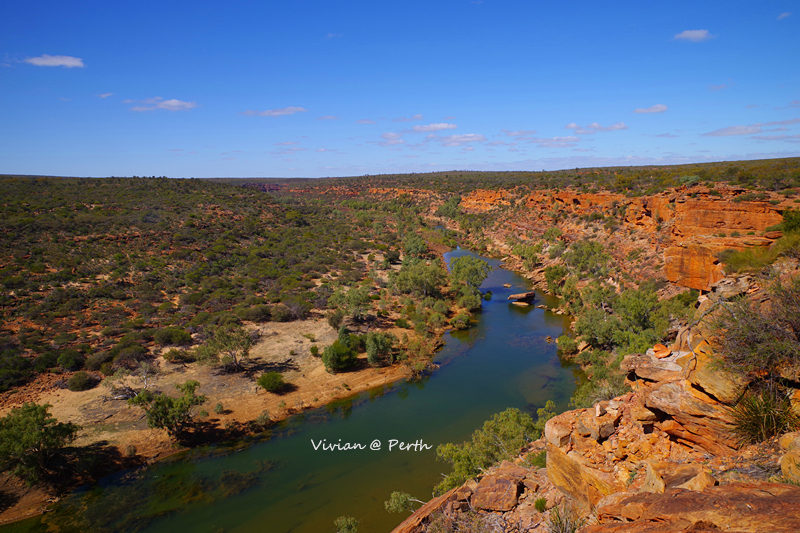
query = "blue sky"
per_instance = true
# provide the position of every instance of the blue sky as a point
(323, 88)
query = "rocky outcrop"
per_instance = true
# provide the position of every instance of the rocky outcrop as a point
(737, 507)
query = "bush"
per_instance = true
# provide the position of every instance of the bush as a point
(564, 519)
(567, 345)
(335, 318)
(81, 381)
(96, 360)
(70, 360)
(172, 337)
(314, 350)
(501, 437)
(257, 313)
(271, 381)
(758, 416)
(402, 323)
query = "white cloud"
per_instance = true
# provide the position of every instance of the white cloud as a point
(328, 117)
(458, 140)
(324, 150)
(780, 122)
(719, 87)
(554, 142)
(658, 108)
(407, 119)
(151, 104)
(291, 110)
(794, 103)
(105, 95)
(365, 121)
(694, 36)
(286, 143)
(734, 130)
(391, 139)
(56, 61)
(784, 15)
(787, 138)
(333, 35)
(594, 127)
(468, 149)
(666, 135)
(518, 133)
(436, 127)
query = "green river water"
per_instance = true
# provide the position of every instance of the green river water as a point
(281, 484)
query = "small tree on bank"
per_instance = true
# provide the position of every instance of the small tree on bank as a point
(171, 414)
(228, 347)
(30, 438)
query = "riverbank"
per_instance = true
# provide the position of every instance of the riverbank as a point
(283, 347)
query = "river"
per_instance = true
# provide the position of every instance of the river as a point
(282, 484)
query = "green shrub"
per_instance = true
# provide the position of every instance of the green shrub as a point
(81, 381)
(567, 345)
(564, 519)
(758, 416)
(271, 381)
(314, 350)
(172, 336)
(96, 360)
(540, 504)
(219, 409)
(70, 360)
(402, 323)
(501, 437)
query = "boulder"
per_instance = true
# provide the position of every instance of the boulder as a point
(577, 480)
(558, 429)
(738, 507)
(790, 465)
(703, 369)
(695, 417)
(648, 366)
(660, 351)
(496, 493)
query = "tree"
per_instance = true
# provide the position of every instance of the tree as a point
(228, 346)
(346, 524)
(419, 278)
(30, 438)
(468, 271)
(379, 348)
(166, 412)
(414, 245)
(399, 502)
(341, 354)
(501, 437)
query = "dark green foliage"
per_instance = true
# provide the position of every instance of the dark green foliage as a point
(419, 278)
(271, 381)
(335, 318)
(501, 438)
(338, 357)
(70, 360)
(228, 347)
(166, 412)
(29, 440)
(346, 524)
(257, 313)
(760, 415)
(587, 257)
(760, 340)
(567, 345)
(564, 519)
(379, 348)
(449, 209)
(540, 504)
(402, 323)
(414, 245)
(81, 381)
(460, 321)
(400, 502)
(314, 350)
(96, 360)
(172, 336)
(554, 275)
